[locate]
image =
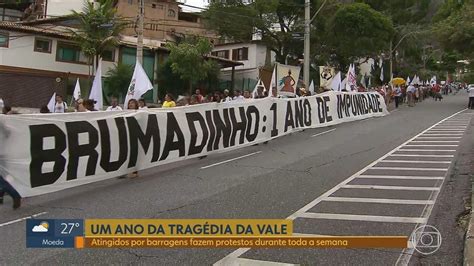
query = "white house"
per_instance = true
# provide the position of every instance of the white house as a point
(254, 55)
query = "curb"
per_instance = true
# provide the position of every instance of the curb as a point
(469, 239)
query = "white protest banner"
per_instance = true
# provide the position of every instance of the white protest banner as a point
(43, 153)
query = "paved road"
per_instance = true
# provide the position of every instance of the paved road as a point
(351, 179)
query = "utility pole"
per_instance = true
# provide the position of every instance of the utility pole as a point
(141, 17)
(391, 62)
(307, 51)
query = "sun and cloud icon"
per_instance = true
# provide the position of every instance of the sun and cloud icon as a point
(41, 228)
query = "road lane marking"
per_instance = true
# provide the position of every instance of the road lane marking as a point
(364, 218)
(432, 145)
(390, 187)
(441, 134)
(422, 155)
(375, 200)
(407, 177)
(230, 160)
(424, 150)
(402, 161)
(435, 141)
(439, 138)
(322, 133)
(408, 168)
(22, 219)
(238, 252)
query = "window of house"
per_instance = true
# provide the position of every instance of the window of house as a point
(240, 54)
(108, 55)
(3, 39)
(43, 45)
(153, 5)
(221, 54)
(71, 53)
(171, 13)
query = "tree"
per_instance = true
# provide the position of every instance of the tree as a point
(118, 79)
(358, 31)
(188, 60)
(99, 28)
(280, 24)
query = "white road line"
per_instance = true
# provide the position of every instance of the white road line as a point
(22, 219)
(238, 252)
(409, 169)
(435, 141)
(374, 200)
(390, 187)
(424, 150)
(251, 262)
(365, 218)
(439, 138)
(230, 160)
(443, 134)
(322, 133)
(429, 145)
(401, 161)
(421, 155)
(407, 177)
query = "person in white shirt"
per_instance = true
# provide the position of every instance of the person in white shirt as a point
(471, 97)
(60, 106)
(238, 96)
(142, 104)
(226, 97)
(114, 105)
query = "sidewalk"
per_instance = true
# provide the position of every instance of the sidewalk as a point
(467, 166)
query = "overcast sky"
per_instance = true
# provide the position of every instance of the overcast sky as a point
(200, 3)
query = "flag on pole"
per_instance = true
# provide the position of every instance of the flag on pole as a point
(273, 83)
(351, 81)
(381, 69)
(52, 103)
(311, 88)
(343, 84)
(139, 84)
(77, 91)
(255, 90)
(96, 91)
(336, 82)
(408, 80)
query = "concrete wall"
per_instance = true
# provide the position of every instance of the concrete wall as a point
(20, 53)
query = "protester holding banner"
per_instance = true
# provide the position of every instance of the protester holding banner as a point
(89, 105)
(114, 105)
(60, 106)
(142, 104)
(168, 103)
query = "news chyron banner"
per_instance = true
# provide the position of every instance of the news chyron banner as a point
(192, 233)
(43, 153)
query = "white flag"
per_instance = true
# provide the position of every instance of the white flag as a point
(77, 91)
(311, 88)
(52, 103)
(408, 80)
(351, 81)
(255, 90)
(336, 82)
(96, 91)
(343, 84)
(381, 70)
(273, 83)
(138, 86)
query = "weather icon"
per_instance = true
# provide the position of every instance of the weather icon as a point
(41, 228)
